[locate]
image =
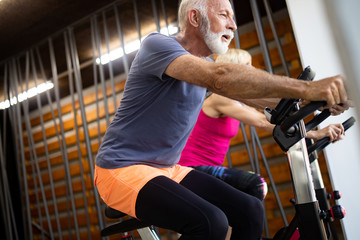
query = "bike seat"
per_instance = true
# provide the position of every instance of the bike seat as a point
(113, 213)
(127, 225)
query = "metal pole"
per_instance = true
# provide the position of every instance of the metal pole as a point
(165, 16)
(27, 122)
(111, 72)
(246, 141)
(63, 149)
(137, 22)
(236, 33)
(52, 188)
(273, 186)
(276, 36)
(177, 19)
(93, 44)
(257, 167)
(101, 70)
(261, 35)
(18, 138)
(22, 153)
(4, 203)
(121, 37)
(72, 93)
(66, 160)
(156, 17)
(3, 199)
(75, 61)
(228, 155)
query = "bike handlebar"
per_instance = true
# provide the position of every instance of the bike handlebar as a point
(322, 143)
(301, 114)
(317, 120)
(286, 106)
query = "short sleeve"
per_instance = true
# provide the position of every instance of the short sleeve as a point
(157, 52)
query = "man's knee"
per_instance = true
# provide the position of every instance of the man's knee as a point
(209, 225)
(256, 213)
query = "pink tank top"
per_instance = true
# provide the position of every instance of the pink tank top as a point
(209, 141)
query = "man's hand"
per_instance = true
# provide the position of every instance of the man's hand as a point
(340, 108)
(332, 90)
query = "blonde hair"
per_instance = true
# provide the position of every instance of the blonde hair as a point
(234, 55)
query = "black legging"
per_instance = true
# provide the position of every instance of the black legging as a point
(247, 182)
(200, 207)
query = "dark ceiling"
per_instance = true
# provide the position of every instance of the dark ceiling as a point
(23, 23)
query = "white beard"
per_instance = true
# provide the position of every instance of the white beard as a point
(214, 40)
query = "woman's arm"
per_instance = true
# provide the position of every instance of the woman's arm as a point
(333, 131)
(219, 106)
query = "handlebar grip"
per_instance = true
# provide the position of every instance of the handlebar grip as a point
(301, 114)
(317, 120)
(348, 123)
(322, 143)
(308, 74)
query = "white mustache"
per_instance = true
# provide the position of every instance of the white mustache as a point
(229, 33)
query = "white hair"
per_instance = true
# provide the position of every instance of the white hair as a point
(186, 6)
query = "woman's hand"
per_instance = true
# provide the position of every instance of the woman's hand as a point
(333, 131)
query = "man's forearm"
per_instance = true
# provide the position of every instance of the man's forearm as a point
(243, 82)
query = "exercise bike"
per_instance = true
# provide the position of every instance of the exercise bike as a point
(314, 217)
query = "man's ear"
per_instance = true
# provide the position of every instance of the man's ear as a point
(194, 17)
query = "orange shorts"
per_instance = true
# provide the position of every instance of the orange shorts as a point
(119, 187)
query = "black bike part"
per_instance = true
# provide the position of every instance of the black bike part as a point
(113, 213)
(336, 195)
(322, 143)
(282, 110)
(314, 154)
(127, 237)
(288, 139)
(321, 196)
(338, 212)
(289, 132)
(125, 226)
(335, 212)
(286, 106)
(317, 120)
(307, 74)
(310, 224)
(286, 233)
(301, 114)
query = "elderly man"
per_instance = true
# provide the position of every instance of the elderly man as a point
(136, 166)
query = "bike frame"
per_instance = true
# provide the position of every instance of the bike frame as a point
(307, 208)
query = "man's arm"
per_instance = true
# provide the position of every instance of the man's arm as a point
(243, 82)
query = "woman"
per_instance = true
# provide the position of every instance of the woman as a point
(219, 121)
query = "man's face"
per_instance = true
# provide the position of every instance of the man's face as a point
(217, 26)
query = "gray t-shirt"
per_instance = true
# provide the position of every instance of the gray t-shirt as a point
(156, 113)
